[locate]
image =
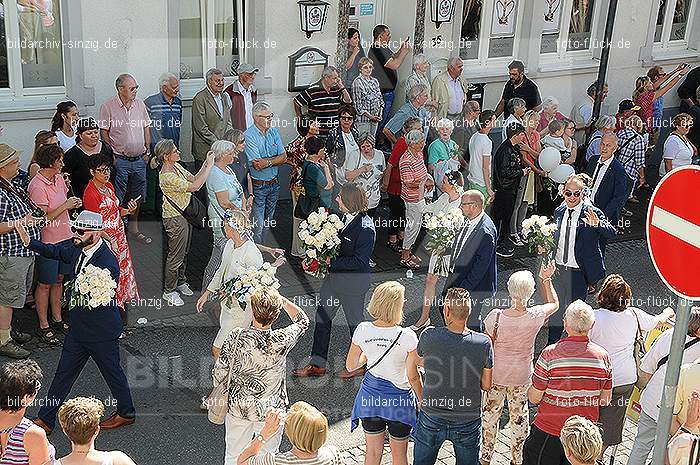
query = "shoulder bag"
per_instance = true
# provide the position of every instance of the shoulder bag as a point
(306, 204)
(195, 212)
(495, 328)
(217, 402)
(638, 354)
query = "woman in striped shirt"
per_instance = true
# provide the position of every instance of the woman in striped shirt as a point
(21, 441)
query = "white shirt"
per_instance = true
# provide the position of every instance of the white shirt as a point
(370, 182)
(651, 395)
(616, 332)
(575, 214)
(374, 342)
(248, 101)
(678, 151)
(601, 172)
(480, 146)
(348, 218)
(65, 142)
(456, 93)
(219, 102)
(350, 142)
(234, 262)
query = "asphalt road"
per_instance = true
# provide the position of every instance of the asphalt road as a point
(168, 365)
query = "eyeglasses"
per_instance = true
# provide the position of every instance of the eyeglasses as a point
(347, 118)
(576, 194)
(268, 117)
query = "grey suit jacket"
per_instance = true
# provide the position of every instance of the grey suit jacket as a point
(208, 125)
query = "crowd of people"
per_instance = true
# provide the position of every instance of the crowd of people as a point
(78, 203)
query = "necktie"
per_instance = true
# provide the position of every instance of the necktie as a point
(567, 235)
(596, 173)
(80, 263)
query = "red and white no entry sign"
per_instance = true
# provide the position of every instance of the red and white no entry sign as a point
(673, 231)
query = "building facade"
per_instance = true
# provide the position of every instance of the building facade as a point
(52, 50)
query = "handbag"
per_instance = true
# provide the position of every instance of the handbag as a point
(217, 401)
(195, 212)
(306, 205)
(495, 328)
(639, 352)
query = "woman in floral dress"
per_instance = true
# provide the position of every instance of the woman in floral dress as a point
(100, 197)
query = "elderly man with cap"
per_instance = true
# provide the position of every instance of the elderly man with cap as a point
(16, 261)
(243, 96)
(94, 330)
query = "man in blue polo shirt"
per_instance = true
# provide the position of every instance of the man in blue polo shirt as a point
(165, 110)
(264, 153)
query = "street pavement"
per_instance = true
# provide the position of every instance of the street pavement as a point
(167, 361)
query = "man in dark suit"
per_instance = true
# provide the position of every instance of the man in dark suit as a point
(580, 227)
(610, 185)
(474, 256)
(347, 281)
(94, 332)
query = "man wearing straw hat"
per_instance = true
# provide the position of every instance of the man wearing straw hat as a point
(16, 261)
(94, 330)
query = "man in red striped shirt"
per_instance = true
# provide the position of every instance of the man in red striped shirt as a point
(571, 377)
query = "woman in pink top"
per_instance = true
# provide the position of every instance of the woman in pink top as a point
(23, 442)
(513, 332)
(49, 192)
(414, 184)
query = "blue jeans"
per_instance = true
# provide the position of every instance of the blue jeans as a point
(264, 204)
(388, 103)
(130, 175)
(432, 432)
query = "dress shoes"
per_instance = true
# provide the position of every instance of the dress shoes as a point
(309, 371)
(345, 374)
(42, 424)
(116, 421)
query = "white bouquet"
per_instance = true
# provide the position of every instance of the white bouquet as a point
(245, 282)
(539, 233)
(94, 287)
(442, 228)
(319, 234)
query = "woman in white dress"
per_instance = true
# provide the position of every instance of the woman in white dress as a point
(365, 167)
(240, 253)
(452, 187)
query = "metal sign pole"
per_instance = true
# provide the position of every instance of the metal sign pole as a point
(673, 370)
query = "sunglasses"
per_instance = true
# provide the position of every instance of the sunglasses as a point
(104, 170)
(79, 232)
(576, 194)
(347, 118)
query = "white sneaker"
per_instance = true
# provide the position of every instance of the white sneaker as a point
(184, 289)
(173, 299)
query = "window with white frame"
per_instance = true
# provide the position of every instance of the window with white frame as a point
(568, 26)
(673, 23)
(31, 47)
(210, 35)
(489, 28)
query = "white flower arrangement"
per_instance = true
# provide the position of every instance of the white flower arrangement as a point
(246, 281)
(442, 228)
(319, 234)
(539, 233)
(94, 287)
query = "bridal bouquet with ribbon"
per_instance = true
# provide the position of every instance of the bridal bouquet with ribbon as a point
(320, 235)
(442, 228)
(246, 281)
(94, 287)
(539, 234)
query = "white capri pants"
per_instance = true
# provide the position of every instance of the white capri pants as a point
(414, 221)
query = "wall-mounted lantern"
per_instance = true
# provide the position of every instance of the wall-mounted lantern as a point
(312, 15)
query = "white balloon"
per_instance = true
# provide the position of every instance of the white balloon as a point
(549, 159)
(561, 173)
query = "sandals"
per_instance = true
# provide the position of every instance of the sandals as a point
(410, 263)
(395, 246)
(48, 336)
(141, 237)
(61, 326)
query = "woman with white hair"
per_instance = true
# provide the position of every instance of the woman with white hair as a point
(605, 125)
(386, 399)
(517, 108)
(365, 168)
(177, 185)
(443, 153)
(419, 74)
(239, 255)
(414, 184)
(549, 113)
(513, 332)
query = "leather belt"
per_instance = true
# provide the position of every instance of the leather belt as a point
(124, 157)
(568, 268)
(260, 182)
